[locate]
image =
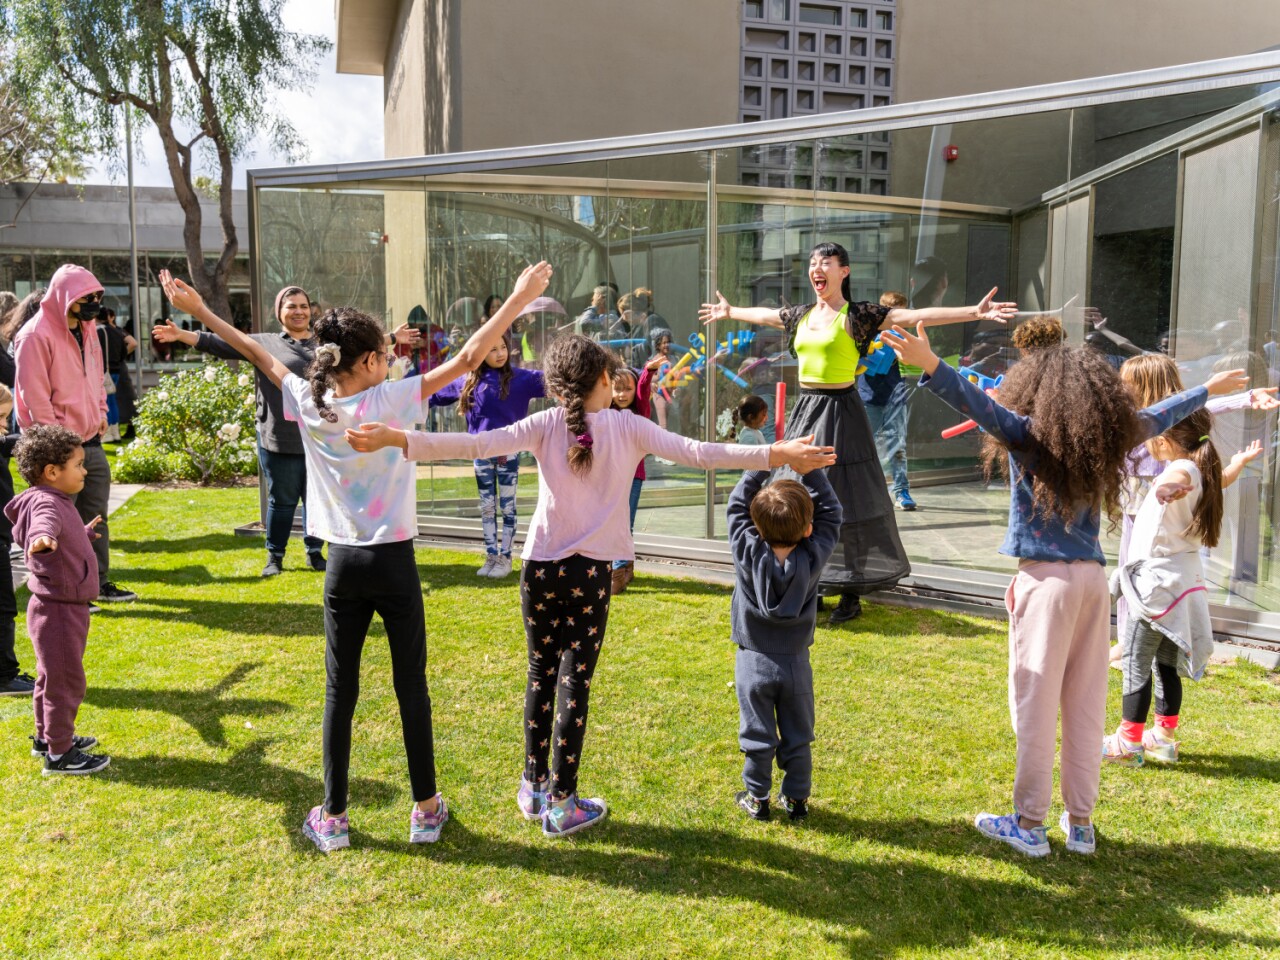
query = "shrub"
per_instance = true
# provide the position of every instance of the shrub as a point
(195, 425)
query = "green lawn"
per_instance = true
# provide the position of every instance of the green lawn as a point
(208, 695)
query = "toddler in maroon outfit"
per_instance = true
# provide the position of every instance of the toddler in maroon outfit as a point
(63, 580)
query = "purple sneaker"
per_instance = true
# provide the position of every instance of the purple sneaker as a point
(559, 819)
(1008, 829)
(425, 827)
(532, 798)
(328, 834)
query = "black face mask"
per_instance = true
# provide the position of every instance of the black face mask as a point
(89, 310)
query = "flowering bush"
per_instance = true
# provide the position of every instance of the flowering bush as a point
(194, 425)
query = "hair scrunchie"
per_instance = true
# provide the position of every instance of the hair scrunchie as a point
(585, 440)
(330, 350)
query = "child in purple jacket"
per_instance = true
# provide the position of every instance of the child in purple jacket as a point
(64, 579)
(495, 395)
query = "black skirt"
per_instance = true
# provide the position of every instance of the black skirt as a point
(870, 554)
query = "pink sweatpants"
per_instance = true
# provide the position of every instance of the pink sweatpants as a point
(1059, 632)
(58, 633)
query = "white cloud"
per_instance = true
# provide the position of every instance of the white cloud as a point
(339, 116)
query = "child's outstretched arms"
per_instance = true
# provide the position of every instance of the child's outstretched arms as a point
(189, 301)
(1231, 472)
(376, 436)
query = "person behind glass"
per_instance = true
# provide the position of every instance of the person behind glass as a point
(749, 417)
(586, 453)
(1062, 431)
(662, 398)
(633, 392)
(780, 536)
(599, 317)
(885, 398)
(829, 338)
(495, 395)
(280, 448)
(60, 381)
(365, 508)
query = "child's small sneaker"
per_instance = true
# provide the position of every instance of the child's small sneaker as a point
(487, 569)
(425, 827)
(1116, 749)
(532, 798)
(75, 762)
(41, 749)
(562, 819)
(501, 568)
(328, 835)
(1033, 842)
(1158, 749)
(757, 807)
(796, 809)
(1079, 839)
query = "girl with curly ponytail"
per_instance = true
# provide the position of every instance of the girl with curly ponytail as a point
(495, 395)
(1163, 582)
(587, 455)
(1063, 429)
(365, 506)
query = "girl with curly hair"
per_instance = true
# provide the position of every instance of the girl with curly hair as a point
(366, 510)
(494, 395)
(1062, 431)
(586, 454)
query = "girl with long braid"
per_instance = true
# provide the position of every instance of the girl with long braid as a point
(586, 455)
(366, 509)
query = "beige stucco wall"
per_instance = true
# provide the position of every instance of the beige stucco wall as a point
(948, 49)
(404, 84)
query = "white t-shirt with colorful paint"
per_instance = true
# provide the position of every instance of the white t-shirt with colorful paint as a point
(358, 498)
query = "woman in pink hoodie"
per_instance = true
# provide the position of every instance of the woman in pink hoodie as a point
(59, 381)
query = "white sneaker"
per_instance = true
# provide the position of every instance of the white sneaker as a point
(487, 569)
(501, 567)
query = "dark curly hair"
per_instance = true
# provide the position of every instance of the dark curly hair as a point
(1083, 427)
(42, 445)
(356, 334)
(505, 373)
(572, 367)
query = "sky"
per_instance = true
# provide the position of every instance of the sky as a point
(339, 116)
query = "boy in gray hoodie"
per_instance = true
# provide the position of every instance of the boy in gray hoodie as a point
(781, 537)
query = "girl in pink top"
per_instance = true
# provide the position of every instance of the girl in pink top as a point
(587, 455)
(633, 393)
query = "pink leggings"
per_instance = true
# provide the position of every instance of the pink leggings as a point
(1059, 628)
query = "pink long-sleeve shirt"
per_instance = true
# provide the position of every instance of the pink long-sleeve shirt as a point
(587, 514)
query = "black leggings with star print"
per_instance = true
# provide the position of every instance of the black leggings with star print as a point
(566, 606)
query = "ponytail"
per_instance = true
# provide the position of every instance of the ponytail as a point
(572, 367)
(343, 335)
(1192, 435)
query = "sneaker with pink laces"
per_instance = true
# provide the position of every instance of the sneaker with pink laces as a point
(1159, 749)
(328, 834)
(425, 827)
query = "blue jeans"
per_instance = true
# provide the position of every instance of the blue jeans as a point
(889, 424)
(634, 500)
(496, 479)
(286, 477)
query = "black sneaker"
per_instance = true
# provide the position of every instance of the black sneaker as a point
(110, 593)
(94, 608)
(40, 749)
(317, 563)
(849, 608)
(756, 809)
(75, 762)
(273, 568)
(23, 685)
(796, 809)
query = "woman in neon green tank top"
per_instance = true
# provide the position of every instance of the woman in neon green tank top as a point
(829, 338)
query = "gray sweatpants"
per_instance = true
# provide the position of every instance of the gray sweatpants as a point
(775, 710)
(92, 502)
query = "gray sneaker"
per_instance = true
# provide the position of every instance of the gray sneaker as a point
(501, 568)
(487, 569)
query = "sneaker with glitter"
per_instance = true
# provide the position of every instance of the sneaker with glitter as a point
(559, 819)
(1079, 839)
(1116, 749)
(425, 827)
(532, 798)
(1033, 842)
(328, 835)
(1157, 749)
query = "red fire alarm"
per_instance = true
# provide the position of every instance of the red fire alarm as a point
(950, 152)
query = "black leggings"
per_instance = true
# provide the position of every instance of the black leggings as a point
(565, 604)
(359, 582)
(1135, 705)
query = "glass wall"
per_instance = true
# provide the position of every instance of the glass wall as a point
(1144, 223)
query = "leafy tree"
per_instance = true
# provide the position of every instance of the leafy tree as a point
(34, 145)
(202, 71)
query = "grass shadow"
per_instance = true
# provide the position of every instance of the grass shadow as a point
(194, 574)
(1234, 765)
(202, 710)
(213, 542)
(273, 617)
